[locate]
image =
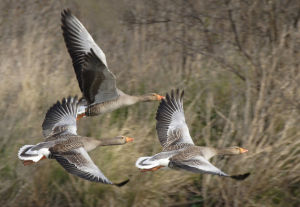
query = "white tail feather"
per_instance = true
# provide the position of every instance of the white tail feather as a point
(145, 163)
(25, 153)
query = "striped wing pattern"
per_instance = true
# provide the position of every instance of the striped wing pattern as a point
(171, 126)
(61, 118)
(79, 163)
(99, 83)
(197, 164)
(96, 81)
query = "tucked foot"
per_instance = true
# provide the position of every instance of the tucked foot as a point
(43, 158)
(27, 162)
(79, 116)
(152, 169)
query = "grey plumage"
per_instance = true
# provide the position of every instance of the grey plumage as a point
(63, 144)
(171, 126)
(99, 83)
(79, 42)
(96, 81)
(179, 151)
(61, 118)
(78, 162)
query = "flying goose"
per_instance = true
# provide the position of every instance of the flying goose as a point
(96, 82)
(69, 149)
(179, 150)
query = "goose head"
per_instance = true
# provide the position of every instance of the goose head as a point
(122, 140)
(237, 150)
(152, 97)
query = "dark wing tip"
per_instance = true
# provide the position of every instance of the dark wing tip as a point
(181, 96)
(175, 94)
(66, 12)
(122, 183)
(73, 100)
(173, 100)
(70, 102)
(172, 94)
(65, 15)
(240, 177)
(168, 97)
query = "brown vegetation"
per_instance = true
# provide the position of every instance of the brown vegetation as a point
(238, 62)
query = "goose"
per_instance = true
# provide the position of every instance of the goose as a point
(64, 145)
(179, 151)
(96, 82)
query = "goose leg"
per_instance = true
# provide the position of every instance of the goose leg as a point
(152, 169)
(29, 162)
(79, 116)
(44, 157)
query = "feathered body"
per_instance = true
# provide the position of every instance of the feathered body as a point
(179, 151)
(96, 82)
(64, 145)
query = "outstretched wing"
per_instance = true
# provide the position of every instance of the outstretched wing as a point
(197, 164)
(61, 118)
(171, 126)
(78, 162)
(98, 82)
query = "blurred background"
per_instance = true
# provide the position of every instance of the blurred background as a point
(238, 62)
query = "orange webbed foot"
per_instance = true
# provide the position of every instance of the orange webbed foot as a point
(79, 116)
(27, 162)
(152, 169)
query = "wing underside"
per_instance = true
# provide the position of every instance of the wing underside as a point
(171, 126)
(96, 81)
(61, 118)
(79, 163)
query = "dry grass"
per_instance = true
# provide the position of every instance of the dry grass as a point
(245, 94)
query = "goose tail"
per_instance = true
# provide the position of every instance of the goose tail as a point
(27, 154)
(146, 163)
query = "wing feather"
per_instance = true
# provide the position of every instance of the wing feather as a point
(96, 81)
(197, 164)
(79, 163)
(171, 126)
(99, 83)
(61, 118)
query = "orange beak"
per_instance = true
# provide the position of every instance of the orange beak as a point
(159, 97)
(243, 150)
(129, 139)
